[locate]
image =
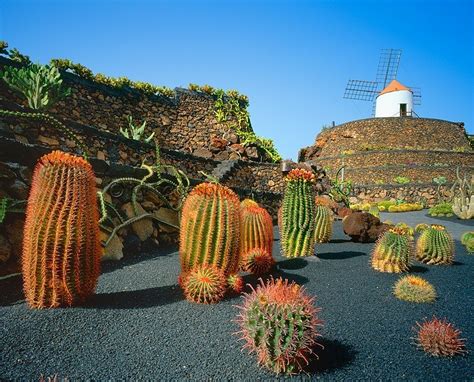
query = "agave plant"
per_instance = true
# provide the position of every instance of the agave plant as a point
(136, 132)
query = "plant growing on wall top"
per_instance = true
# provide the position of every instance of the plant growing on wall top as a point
(136, 132)
(401, 180)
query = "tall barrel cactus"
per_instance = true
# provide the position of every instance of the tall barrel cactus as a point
(435, 246)
(61, 245)
(256, 237)
(323, 229)
(393, 252)
(210, 230)
(298, 215)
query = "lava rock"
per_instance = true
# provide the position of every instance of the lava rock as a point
(363, 227)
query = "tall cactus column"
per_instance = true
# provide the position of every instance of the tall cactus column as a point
(298, 215)
(61, 245)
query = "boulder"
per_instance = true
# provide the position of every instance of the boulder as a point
(363, 227)
(113, 251)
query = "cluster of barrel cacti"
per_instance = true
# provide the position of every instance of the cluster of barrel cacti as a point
(435, 246)
(393, 251)
(61, 247)
(278, 322)
(298, 215)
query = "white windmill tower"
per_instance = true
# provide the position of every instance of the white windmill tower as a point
(392, 99)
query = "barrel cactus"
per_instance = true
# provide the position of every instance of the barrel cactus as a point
(393, 252)
(256, 236)
(210, 230)
(298, 215)
(435, 246)
(467, 239)
(204, 284)
(323, 229)
(414, 289)
(279, 322)
(61, 245)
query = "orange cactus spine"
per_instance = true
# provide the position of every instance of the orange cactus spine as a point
(256, 229)
(210, 229)
(61, 245)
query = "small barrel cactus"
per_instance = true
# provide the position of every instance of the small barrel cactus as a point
(414, 289)
(235, 283)
(204, 285)
(298, 215)
(393, 252)
(256, 229)
(439, 338)
(323, 229)
(257, 261)
(435, 246)
(278, 321)
(210, 229)
(467, 239)
(61, 242)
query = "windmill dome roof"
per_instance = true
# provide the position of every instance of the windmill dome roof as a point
(393, 87)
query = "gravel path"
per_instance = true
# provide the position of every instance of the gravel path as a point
(139, 327)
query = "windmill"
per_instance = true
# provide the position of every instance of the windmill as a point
(392, 99)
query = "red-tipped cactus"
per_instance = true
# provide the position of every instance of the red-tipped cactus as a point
(256, 231)
(279, 322)
(439, 338)
(298, 215)
(61, 245)
(257, 261)
(204, 285)
(210, 229)
(235, 283)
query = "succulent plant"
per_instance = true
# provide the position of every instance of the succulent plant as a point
(61, 244)
(435, 246)
(279, 322)
(298, 215)
(210, 225)
(467, 239)
(257, 261)
(204, 285)
(441, 209)
(414, 289)
(421, 227)
(393, 252)
(464, 207)
(406, 228)
(256, 231)
(235, 283)
(439, 338)
(323, 229)
(374, 210)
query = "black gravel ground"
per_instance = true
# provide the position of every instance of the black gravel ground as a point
(139, 327)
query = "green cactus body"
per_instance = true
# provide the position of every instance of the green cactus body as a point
(323, 229)
(61, 243)
(435, 246)
(467, 239)
(278, 321)
(298, 215)
(393, 252)
(210, 229)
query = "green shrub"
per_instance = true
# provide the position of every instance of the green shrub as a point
(401, 180)
(441, 209)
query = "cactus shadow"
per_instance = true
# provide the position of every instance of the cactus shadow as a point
(418, 269)
(335, 355)
(456, 263)
(12, 291)
(297, 263)
(136, 299)
(340, 255)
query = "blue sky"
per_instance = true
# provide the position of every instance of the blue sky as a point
(292, 58)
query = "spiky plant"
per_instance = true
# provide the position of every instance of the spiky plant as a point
(235, 283)
(61, 244)
(257, 261)
(414, 289)
(256, 232)
(210, 229)
(435, 246)
(204, 285)
(467, 239)
(279, 322)
(421, 227)
(323, 229)
(439, 338)
(393, 252)
(298, 215)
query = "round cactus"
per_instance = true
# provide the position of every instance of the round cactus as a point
(61, 242)
(235, 283)
(298, 215)
(204, 285)
(435, 246)
(323, 229)
(210, 229)
(421, 227)
(278, 321)
(257, 261)
(414, 289)
(256, 228)
(439, 338)
(467, 239)
(392, 252)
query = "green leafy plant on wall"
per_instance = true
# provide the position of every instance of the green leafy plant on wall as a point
(13, 54)
(8, 205)
(136, 132)
(249, 138)
(401, 180)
